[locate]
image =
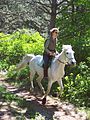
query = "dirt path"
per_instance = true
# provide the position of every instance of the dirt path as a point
(53, 110)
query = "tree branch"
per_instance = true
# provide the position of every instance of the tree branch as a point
(44, 7)
(62, 10)
(62, 2)
(47, 20)
(45, 10)
(40, 3)
(50, 2)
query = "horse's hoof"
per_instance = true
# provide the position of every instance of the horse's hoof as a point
(31, 90)
(44, 100)
(55, 94)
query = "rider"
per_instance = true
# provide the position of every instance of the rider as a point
(49, 50)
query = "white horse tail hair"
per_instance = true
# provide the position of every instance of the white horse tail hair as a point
(24, 61)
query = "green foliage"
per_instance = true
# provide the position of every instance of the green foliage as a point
(77, 88)
(74, 29)
(20, 79)
(7, 96)
(14, 46)
(11, 72)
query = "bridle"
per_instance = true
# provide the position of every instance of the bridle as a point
(64, 62)
(61, 61)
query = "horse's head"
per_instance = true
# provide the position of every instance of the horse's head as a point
(69, 54)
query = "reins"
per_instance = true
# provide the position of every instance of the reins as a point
(61, 61)
(65, 63)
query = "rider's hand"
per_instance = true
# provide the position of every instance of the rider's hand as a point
(52, 54)
(57, 52)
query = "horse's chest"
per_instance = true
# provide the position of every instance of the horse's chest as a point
(57, 73)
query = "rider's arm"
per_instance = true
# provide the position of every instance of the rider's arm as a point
(46, 46)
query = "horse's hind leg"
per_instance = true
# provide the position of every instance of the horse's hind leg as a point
(40, 85)
(31, 79)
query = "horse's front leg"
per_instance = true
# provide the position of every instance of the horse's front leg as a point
(61, 86)
(47, 92)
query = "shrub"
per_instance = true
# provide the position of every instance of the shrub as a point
(77, 87)
(14, 46)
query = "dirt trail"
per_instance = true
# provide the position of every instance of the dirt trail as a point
(53, 110)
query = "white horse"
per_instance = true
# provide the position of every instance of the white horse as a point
(55, 71)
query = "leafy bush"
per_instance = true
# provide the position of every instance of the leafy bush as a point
(14, 46)
(77, 88)
(7, 96)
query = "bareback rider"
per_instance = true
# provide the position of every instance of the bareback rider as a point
(49, 50)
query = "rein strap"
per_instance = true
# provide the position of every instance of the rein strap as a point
(61, 61)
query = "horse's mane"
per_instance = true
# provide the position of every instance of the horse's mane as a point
(64, 48)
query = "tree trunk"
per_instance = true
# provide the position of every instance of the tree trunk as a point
(53, 14)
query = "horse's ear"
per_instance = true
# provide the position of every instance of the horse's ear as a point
(63, 47)
(70, 46)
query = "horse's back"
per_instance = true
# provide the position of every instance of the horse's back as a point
(37, 60)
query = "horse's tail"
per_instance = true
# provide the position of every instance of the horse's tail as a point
(26, 59)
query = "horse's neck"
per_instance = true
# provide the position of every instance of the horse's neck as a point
(57, 66)
(62, 57)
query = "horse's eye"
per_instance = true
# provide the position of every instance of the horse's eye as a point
(67, 53)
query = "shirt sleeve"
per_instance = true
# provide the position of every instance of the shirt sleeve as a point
(46, 46)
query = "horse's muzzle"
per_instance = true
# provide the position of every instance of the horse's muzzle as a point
(73, 63)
